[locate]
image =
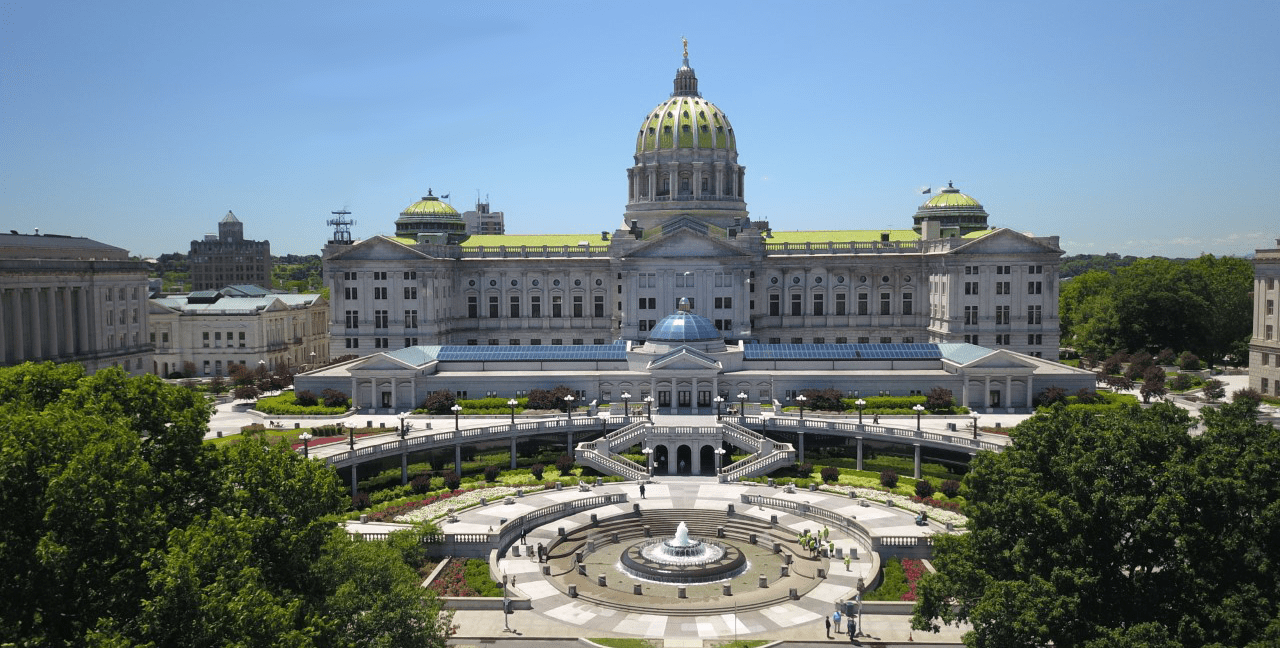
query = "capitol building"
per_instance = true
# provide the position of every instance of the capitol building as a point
(686, 237)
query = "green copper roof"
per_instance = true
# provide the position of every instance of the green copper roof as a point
(516, 240)
(429, 206)
(956, 199)
(685, 122)
(841, 236)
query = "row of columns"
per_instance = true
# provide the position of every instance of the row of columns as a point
(1008, 391)
(647, 176)
(43, 323)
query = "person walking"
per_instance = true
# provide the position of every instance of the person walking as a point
(836, 619)
(851, 628)
(828, 620)
(641, 490)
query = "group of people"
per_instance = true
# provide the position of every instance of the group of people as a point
(850, 626)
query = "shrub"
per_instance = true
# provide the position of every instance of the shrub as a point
(824, 399)
(1165, 357)
(1214, 389)
(1188, 361)
(830, 474)
(491, 473)
(334, 398)
(804, 469)
(1050, 395)
(360, 501)
(305, 398)
(1119, 383)
(1112, 365)
(888, 478)
(536, 470)
(1087, 397)
(246, 392)
(1182, 382)
(564, 464)
(939, 398)
(1138, 365)
(284, 405)
(439, 402)
(1247, 394)
(452, 481)
(924, 488)
(950, 487)
(548, 398)
(421, 484)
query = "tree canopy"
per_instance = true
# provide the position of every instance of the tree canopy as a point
(122, 528)
(1117, 529)
(1202, 305)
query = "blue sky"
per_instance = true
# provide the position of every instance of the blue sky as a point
(1133, 127)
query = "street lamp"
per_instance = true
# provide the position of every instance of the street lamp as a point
(801, 399)
(306, 444)
(512, 404)
(568, 407)
(648, 407)
(719, 400)
(404, 429)
(457, 409)
(626, 403)
(742, 408)
(506, 603)
(975, 427)
(919, 410)
(648, 455)
(351, 439)
(861, 404)
(719, 459)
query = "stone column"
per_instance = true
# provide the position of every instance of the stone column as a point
(82, 296)
(513, 451)
(986, 392)
(964, 390)
(917, 464)
(457, 459)
(1030, 391)
(800, 437)
(54, 326)
(37, 345)
(1008, 391)
(4, 330)
(859, 453)
(717, 174)
(693, 396)
(68, 324)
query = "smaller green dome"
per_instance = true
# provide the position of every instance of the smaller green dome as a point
(951, 197)
(429, 206)
(952, 211)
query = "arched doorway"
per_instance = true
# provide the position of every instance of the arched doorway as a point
(708, 458)
(660, 460)
(684, 460)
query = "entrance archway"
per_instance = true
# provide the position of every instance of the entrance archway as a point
(708, 458)
(660, 463)
(684, 460)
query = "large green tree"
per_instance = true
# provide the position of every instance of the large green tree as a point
(1118, 529)
(123, 528)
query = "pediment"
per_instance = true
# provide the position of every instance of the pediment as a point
(685, 358)
(685, 242)
(1002, 359)
(1007, 241)
(380, 362)
(378, 248)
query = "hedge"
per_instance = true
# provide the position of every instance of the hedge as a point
(283, 404)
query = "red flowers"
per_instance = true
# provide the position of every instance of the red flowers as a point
(391, 512)
(914, 569)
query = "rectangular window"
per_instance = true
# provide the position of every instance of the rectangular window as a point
(408, 342)
(164, 337)
(907, 307)
(577, 341)
(1002, 288)
(723, 302)
(971, 315)
(886, 303)
(817, 305)
(684, 279)
(724, 280)
(908, 340)
(353, 343)
(514, 342)
(411, 275)
(473, 307)
(557, 306)
(1271, 307)
(411, 319)
(535, 342)
(819, 340)
(349, 292)
(1035, 269)
(410, 292)
(971, 270)
(1034, 339)
(863, 303)
(1270, 331)
(1002, 314)
(473, 342)
(577, 305)
(775, 305)
(884, 339)
(1033, 314)
(535, 306)
(515, 306)
(648, 303)
(970, 287)
(1034, 287)
(644, 325)
(840, 304)
(379, 292)
(842, 340)
(380, 319)
(493, 305)
(242, 339)
(797, 304)
(557, 342)
(380, 276)
(1003, 270)
(598, 306)
(493, 341)
(1002, 339)
(206, 339)
(1264, 385)
(648, 279)
(353, 319)
(864, 340)
(797, 340)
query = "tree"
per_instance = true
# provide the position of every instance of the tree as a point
(334, 398)
(548, 399)
(1050, 395)
(828, 400)
(1117, 528)
(439, 402)
(939, 398)
(1153, 384)
(1214, 389)
(246, 392)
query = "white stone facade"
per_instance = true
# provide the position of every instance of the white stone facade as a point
(71, 299)
(276, 330)
(1264, 346)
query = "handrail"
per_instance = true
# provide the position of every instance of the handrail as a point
(817, 514)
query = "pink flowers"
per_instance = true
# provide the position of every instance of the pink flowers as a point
(914, 569)
(391, 512)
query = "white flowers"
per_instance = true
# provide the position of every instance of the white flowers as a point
(465, 500)
(900, 501)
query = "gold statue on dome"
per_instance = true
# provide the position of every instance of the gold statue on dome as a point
(686, 46)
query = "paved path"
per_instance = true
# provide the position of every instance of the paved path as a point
(556, 615)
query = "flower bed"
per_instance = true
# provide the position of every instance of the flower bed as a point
(936, 509)
(465, 578)
(436, 506)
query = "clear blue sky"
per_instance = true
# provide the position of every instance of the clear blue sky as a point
(1133, 127)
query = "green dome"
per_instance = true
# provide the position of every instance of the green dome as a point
(430, 206)
(952, 210)
(431, 216)
(951, 197)
(685, 122)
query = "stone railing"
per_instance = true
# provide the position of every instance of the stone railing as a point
(954, 442)
(586, 453)
(781, 454)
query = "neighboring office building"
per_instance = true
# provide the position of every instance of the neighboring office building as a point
(72, 299)
(482, 222)
(687, 233)
(238, 325)
(229, 259)
(1264, 347)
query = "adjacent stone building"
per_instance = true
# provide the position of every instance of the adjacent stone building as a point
(204, 333)
(229, 258)
(1264, 346)
(72, 299)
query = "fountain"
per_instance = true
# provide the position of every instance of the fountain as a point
(681, 559)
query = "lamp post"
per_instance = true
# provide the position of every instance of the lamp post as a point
(506, 603)
(975, 427)
(457, 409)
(719, 400)
(801, 399)
(861, 404)
(351, 437)
(568, 407)
(648, 455)
(512, 404)
(861, 586)
(919, 409)
(626, 403)
(404, 451)
(313, 359)
(719, 459)
(306, 444)
(742, 405)
(648, 407)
